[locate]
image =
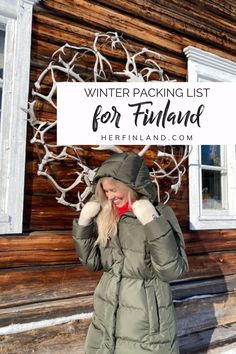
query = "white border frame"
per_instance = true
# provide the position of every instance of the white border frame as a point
(18, 20)
(204, 66)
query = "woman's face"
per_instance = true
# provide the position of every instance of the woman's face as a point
(114, 193)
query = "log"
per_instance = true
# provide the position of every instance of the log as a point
(204, 241)
(45, 310)
(65, 173)
(59, 217)
(70, 337)
(59, 339)
(75, 303)
(201, 314)
(192, 20)
(37, 249)
(37, 285)
(139, 29)
(15, 282)
(198, 287)
(225, 9)
(209, 253)
(54, 216)
(211, 264)
(45, 35)
(61, 241)
(213, 341)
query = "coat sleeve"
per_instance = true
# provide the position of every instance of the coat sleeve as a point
(166, 245)
(84, 238)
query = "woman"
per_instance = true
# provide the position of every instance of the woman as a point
(140, 248)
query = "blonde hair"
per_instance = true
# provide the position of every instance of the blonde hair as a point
(108, 217)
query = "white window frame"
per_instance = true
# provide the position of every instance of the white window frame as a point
(205, 66)
(17, 17)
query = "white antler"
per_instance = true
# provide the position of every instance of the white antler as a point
(173, 171)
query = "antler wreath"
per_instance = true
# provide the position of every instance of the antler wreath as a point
(71, 63)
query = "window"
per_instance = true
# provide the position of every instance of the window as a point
(213, 173)
(15, 43)
(212, 168)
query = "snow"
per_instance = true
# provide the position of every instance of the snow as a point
(23, 327)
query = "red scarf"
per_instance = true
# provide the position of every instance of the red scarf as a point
(123, 209)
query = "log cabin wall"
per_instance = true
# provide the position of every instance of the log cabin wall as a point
(163, 26)
(40, 273)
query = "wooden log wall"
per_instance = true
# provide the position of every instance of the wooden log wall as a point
(164, 26)
(40, 274)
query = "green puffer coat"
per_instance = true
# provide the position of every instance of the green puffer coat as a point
(133, 310)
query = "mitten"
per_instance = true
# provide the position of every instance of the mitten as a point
(144, 211)
(89, 211)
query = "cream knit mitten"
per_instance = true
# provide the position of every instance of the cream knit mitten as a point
(144, 211)
(88, 213)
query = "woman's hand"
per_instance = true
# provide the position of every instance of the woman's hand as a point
(144, 211)
(88, 213)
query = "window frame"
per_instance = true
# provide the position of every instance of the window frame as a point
(17, 17)
(205, 66)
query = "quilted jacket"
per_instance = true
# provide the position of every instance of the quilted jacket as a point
(133, 309)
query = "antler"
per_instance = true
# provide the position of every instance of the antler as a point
(173, 172)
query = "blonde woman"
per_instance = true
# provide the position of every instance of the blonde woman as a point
(140, 247)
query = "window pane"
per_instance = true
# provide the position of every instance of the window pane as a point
(211, 189)
(2, 39)
(211, 155)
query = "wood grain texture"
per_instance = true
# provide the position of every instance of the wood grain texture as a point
(203, 287)
(45, 310)
(40, 274)
(218, 340)
(208, 251)
(60, 339)
(27, 286)
(206, 26)
(171, 39)
(70, 337)
(163, 26)
(34, 285)
(198, 315)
